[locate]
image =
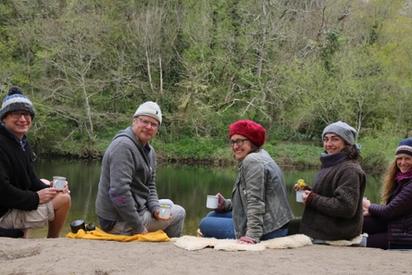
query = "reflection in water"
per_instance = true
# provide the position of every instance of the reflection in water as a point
(185, 185)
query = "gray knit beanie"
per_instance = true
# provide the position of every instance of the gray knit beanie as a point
(149, 108)
(342, 129)
(16, 101)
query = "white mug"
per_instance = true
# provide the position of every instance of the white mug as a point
(211, 202)
(164, 211)
(59, 182)
(299, 195)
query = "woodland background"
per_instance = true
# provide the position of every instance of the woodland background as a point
(292, 65)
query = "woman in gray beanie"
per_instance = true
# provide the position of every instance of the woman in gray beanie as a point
(333, 207)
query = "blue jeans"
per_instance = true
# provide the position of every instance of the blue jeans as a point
(220, 226)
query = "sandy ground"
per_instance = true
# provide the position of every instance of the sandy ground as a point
(68, 256)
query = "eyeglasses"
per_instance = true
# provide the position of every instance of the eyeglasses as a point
(147, 123)
(17, 115)
(238, 142)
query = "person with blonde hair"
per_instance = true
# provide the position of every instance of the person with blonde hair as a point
(389, 225)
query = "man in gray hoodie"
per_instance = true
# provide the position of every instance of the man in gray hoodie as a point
(127, 201)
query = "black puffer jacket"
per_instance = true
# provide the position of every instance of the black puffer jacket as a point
(18, 182)
(397, 213)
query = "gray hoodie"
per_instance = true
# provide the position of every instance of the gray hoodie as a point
(127, 183)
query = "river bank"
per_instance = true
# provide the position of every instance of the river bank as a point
(68, 256)
(376, 153)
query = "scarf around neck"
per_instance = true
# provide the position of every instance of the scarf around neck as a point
(328, 160)
(402, 176)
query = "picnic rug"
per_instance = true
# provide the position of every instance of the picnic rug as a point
(98, 234)
(291, 241)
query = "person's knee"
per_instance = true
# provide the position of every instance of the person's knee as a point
(209, 223)
(220, 228)
(211, 213)
(204, 222)
(62, 200)
(179, 212)
(66, 199)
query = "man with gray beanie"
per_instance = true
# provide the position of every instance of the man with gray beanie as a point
(25, 200)
(127, 202)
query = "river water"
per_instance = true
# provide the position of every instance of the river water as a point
(185, 185)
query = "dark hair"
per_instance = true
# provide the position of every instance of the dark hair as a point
(254, 147)
(352, 152)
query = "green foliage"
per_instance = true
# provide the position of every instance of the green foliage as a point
(295, 154)
(374, 163)
(192, 149)
(328, 49)
(382, 145)
(377, 151)
(294, 66)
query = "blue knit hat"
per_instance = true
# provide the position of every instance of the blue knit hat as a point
(405, 147)
(16, 101)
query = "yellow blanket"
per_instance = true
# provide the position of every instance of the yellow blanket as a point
(98, 234)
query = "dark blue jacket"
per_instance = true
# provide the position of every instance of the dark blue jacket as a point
(397, 213)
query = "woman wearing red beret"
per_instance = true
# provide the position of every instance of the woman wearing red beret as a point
(259, 208)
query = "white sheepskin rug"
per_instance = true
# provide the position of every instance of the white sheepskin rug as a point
(292, 241)
(196, 243)
(355, 241)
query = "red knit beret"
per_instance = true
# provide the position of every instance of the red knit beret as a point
(249, 129)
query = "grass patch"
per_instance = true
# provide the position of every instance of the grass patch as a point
(295, 154)
(193, 148)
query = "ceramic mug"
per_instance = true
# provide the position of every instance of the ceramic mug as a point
(299, 195)
(211, 202)
(164, 211)
(59, 182)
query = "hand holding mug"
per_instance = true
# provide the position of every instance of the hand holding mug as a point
(365, 202)
(163, 213)
(305, 195)
(220, 202)
(365, 206)
(46, 181)
(46, 194)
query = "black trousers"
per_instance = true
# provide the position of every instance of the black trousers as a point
(11, 233)
(377, 231)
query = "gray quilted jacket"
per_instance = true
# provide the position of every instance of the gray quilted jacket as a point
(259, 200)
